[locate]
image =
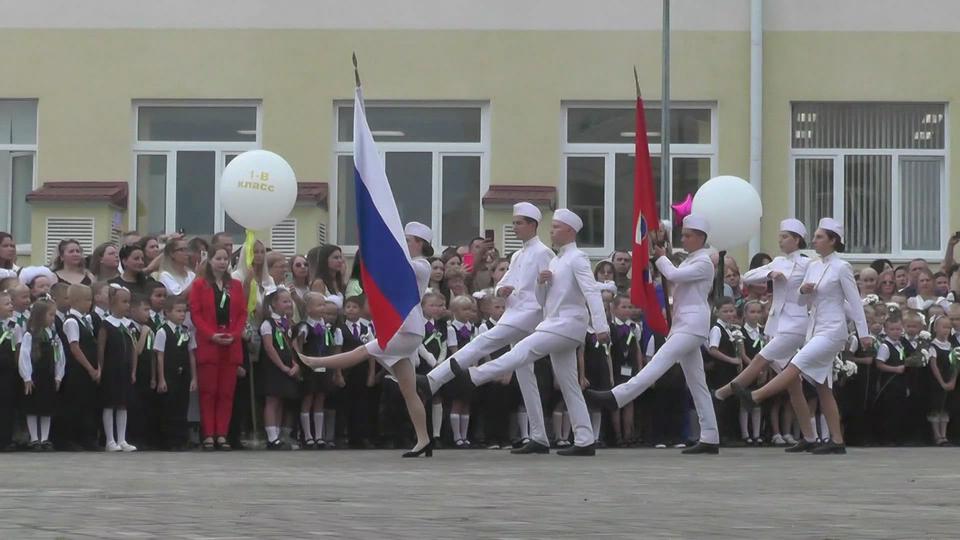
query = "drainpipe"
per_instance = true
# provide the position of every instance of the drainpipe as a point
(756, 103)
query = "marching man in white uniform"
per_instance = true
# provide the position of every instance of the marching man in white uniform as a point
(830, 290)
(571, 300)
(524, 312)
(786, 325)
(692, 282)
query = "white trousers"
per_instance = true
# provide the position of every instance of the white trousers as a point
(485, 344)
(563, 355)
(685, 349)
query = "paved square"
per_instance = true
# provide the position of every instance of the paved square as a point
(743, 493)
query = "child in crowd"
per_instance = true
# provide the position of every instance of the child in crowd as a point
(158, 301)
(117, 357)
(176, 373)
(502, 395)
(82, 372)
(11, 384)
(723, 361)
(360, 379)
(101, 303)
(42, 365)
(317, 335)
(143, 410)
(891, 395)
(20, 296)
(623, 363)
(943, 375)
(281, 373)
(434, 351)
(751, 344)
(460, 332)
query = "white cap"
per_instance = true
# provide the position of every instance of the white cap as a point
(832, 225)
(419, 230)
(30, 273)
(696, 223)
(569, 218)
(795, 226)
(527, 210)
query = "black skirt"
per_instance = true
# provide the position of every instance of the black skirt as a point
(116, 386)
(42, 401)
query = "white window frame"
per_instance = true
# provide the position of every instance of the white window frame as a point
(23, 249)
(609, 151)
(437, 149)
(897, 254)
(170, 149)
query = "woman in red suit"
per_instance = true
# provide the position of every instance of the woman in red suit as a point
(218, 310)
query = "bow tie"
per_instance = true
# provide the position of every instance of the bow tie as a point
(319, 328)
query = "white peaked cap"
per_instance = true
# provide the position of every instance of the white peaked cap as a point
(527, 210)
(419, 230)
(30, 273)
(795, 226)
(832, 225)
(569, 218)
(696, 223)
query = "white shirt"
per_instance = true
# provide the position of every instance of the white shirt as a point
(523, 308)
(835, 298)
(10, 325)
(160, 339)
(337, 333)
(26, 348)
(452, 329)
(884, 353)
(176, 284)
(692, 282)
(787, 314)
(573, 299)
(71, 328)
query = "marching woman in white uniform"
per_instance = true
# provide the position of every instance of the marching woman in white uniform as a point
(523, 314)
(692, 282)
(830, 290)
(571, 300)
(786, 325)
(399, 356)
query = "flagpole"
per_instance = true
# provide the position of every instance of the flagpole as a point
(356, 70)
(665, 114)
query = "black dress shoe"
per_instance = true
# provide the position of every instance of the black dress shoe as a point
(601, 398)
(703, 448)
(802, 445)
(455, 368)
(746, 397)
(464, 384)
(830, 448)
(578, 451)
(532, 447)
(426, 451)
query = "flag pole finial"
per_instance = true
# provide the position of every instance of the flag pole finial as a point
(356, 70)
(636, 80)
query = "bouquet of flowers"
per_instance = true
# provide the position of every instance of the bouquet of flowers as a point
(736, 333)
(921, 356)
(871, 300)
(843, 369)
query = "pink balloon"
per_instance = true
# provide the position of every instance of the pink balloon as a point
(682, 210)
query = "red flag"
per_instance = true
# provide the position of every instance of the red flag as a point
(642, 292)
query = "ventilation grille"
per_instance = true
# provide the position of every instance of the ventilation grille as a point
(283, 237)
(62, 228)
(321, 234)
(510, 241)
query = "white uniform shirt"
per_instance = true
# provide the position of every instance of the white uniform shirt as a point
(26, 348)
(312, 323)
(160, 339)
(835, 298)
(692, 282)
(176, 284)
(884, 353)
(454, 327)
(71, 328)
(523, 308)
(573, 299)
(787, 314)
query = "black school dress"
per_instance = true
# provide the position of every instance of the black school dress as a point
(624, 352)
(938, 397)
(318, 341)
(78, 389)
(752, 345)
(276, 383)
(463, 335)
(435, 341)
(595, 363)
(116, 388)
(718, 374)
(11, 385)
(43, 352)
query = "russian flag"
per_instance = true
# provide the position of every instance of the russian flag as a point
(386, 271)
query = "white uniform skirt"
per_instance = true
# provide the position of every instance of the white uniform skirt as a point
(815, 359)
(401, 345)
(781, 349)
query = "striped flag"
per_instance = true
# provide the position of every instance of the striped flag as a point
(645, 219)
(386, 271)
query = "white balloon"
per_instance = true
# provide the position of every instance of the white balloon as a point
(258, 189)
(733, 209)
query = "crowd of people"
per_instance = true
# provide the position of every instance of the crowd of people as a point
(170, 343)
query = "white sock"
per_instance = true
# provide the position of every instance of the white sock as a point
(595, 419)
(824, 428)
(744, 432)
(557, 425)
(464, 426)
(273, 433)
(436, 416)
(44, 428)
(756, 415)
(329, 421)
(455, 426)
(108, 426)
(523, 424)
(32, 427)
(305, 426)
(565, 427)
(121, 426)
(813, 424)
(318, 425)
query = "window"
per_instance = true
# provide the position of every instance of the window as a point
(435, 156)
(598, 165)
(18, 149)
(180, 150)
(878, 168)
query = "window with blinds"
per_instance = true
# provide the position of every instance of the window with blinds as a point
(878, 167)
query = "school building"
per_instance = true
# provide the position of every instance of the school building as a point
(119, 115)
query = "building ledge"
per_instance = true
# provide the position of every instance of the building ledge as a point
(315, 192)
(111, 192)
(508, 195)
